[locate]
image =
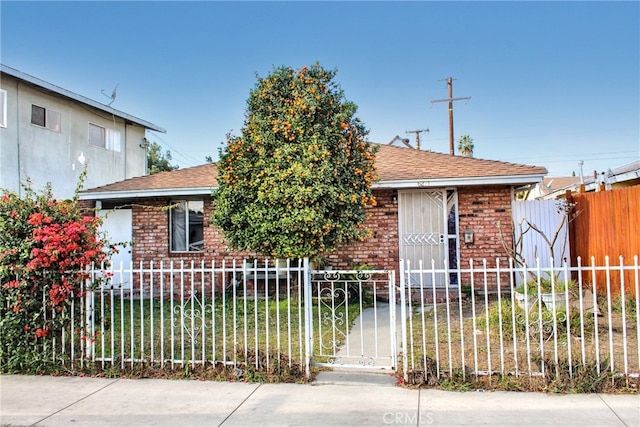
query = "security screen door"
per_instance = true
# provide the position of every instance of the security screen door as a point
(428, 227)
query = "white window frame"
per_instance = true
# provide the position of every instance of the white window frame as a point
(110, 138)
(180, 231)
(52, 119)
(3, 108)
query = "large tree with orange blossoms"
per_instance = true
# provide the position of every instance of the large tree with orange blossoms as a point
(297, 181)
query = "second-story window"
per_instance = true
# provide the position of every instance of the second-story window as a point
(46, 118)
(102, 137)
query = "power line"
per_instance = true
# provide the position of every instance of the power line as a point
(559, 157)
(187, 159)
(417, 132)
(450, 100)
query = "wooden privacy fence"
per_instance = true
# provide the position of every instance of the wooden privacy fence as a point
(608, 223)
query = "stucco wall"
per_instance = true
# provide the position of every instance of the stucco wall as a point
(45, 155)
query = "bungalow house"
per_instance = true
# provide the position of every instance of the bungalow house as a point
(429, 206)
(49, 134)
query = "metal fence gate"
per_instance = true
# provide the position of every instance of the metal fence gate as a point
(353, 319)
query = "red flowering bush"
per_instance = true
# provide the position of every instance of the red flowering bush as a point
(45, 245)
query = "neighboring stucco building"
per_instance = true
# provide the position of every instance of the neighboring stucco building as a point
(48, 134)
(429, 206)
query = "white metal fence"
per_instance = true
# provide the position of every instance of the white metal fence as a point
(554, 322)
(354, 319)
(238, 315)
(179, 314)
(272, 316)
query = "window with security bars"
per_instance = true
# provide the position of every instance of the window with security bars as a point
(46, 118)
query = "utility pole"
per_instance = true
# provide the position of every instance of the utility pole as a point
(417, 132)
(450, 100)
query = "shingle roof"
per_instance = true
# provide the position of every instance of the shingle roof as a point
(397, 167)
(554, 183)
(400, 163)
(197, 177)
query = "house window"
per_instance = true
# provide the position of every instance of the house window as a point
(45, 118)
(104, 138)
(187, 225)
(3, 108)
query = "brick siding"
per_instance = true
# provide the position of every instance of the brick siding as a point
(479, 209)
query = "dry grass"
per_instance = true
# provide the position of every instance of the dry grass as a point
(513, 344)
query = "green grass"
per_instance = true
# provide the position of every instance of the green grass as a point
(145, 329)
(240, 331)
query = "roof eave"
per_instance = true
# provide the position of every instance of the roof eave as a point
(140, 194)
(460, 182)
(399, 184)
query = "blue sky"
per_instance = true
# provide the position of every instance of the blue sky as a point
(551, 83)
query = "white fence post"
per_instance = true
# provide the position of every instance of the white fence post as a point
(403, 321)
(308, 321)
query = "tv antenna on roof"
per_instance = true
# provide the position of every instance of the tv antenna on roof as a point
(113, 95)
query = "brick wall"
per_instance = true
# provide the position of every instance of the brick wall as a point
(381, 249)
(480, 209)
(151, 236)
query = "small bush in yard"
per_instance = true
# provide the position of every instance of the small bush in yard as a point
(45, 245)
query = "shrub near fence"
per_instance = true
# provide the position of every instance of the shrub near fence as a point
(496, 330)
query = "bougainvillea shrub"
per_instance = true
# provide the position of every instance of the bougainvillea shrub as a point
(297, 181)
(45, 245)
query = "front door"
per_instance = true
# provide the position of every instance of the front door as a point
(428, 227)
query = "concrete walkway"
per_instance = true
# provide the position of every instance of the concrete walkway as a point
(369, 339)
(75, 401)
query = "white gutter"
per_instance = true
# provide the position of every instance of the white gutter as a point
(459, 182)
(137, 194)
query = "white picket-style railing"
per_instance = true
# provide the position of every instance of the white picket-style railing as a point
(488, 327)
(178, 314)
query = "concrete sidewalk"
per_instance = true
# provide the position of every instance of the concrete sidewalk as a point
(75, 401)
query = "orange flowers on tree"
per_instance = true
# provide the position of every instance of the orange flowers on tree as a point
(281, 199)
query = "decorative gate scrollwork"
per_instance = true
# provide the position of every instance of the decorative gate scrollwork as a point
(190, 315)
(352, 320)
(332, 299)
